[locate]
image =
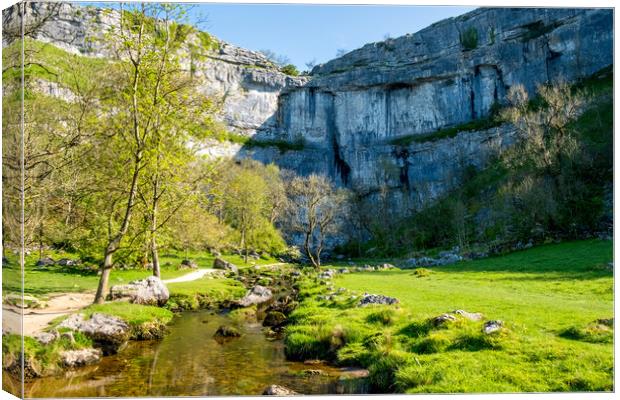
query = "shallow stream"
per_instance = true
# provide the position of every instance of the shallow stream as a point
(189, 361)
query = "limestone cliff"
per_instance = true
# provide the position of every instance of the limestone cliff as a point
(450, 73)
(349, 111)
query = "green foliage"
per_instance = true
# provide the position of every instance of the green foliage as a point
(290, 69)
(469, 38)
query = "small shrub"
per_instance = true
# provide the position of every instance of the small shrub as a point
(469, 39)
(290, 69)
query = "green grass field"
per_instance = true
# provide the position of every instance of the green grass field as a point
(548, 297)
(43, 281)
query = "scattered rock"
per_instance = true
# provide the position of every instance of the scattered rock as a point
(108, 332)
(443, 319)
(315, 372)
(313, 362)
(220, 263)
(149, 291)
(78, 358)
(377, 299)
(226, 332)
(67, 262)
(188, 264)
(45, 262)
(46, 338)
(274, 318)
(469, 316)
(606, 321)
(257, 295)
(277, 390)
(328, 274)
(492, 326)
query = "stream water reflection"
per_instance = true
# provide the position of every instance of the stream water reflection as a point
(188, 361)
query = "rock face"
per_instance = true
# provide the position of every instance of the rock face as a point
(349, 110)
(149, 291)
(107, 332)
(355, 105)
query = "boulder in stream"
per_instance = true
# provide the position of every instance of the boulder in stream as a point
(274, 319)
(107, 332)
(150, 291)
(226, 332)
(79, 358)
(277, 390)
(257, 295)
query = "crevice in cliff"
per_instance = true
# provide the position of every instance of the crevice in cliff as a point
(342, 168)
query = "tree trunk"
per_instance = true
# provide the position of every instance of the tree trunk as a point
(308, 250)
(105, 274)
(155, 255)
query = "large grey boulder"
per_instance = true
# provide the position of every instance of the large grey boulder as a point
(107, 332)
(79, 358)
(257, 295)
(149, 291)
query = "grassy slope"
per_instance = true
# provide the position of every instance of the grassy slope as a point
(540, 294)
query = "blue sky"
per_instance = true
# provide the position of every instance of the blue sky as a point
(314, 32)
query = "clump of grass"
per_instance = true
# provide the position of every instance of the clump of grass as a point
(382, 372)
(593, 333)
(146, 322)
(385, 316)
(422, 272)
(434, 343)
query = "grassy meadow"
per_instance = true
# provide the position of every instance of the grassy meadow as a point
(548, 297)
